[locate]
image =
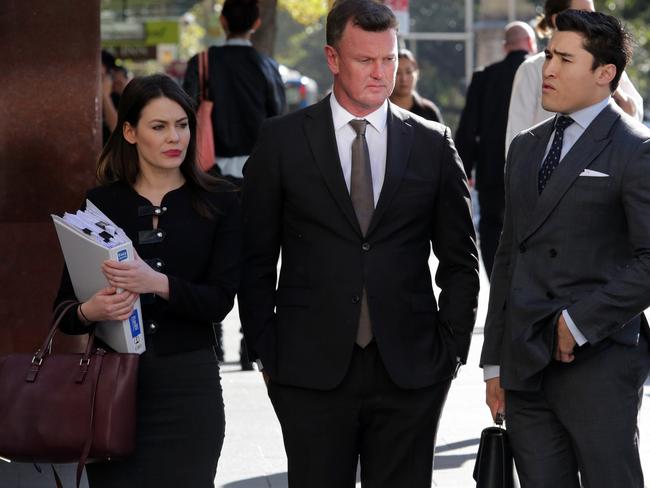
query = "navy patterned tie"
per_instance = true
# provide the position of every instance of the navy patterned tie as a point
(553, 157)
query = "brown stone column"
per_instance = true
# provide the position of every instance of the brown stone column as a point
(49, 140)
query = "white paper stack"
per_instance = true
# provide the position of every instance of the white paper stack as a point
(88, 238)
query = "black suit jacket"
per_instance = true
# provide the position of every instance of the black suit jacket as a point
(296, 203)
(481, 133)
(199, 255)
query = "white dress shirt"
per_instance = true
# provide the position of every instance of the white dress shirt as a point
(376, 137)
(581, 120)
(525, 108)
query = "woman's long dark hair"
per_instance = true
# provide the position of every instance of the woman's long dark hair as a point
(119, 158)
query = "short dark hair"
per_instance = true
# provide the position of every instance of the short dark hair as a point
(118, 160)
(605, 38)
(240, 14)
(370, 15)
(108, 60)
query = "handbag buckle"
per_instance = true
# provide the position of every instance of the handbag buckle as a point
(84, 361)
(36, 361)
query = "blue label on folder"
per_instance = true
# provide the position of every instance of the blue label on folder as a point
(122, 255)
(135, 324)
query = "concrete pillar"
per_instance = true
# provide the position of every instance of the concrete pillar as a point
(49, 141)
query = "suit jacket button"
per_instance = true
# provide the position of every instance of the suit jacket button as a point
(552, 253)
(365, 246)
(356, 299)
(550, 295)
(522, 247)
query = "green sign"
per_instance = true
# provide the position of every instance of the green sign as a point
(151, 33)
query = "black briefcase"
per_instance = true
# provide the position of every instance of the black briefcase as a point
(494, 465)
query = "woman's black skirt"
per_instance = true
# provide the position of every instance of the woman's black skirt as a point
(180, 425)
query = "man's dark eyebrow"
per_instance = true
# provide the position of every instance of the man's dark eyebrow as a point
(560, 53)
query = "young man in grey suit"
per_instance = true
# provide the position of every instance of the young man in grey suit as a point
(565, 335)
(355, 192)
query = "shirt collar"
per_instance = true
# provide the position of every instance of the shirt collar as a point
(586, 116)
(238, 42)
(342, 117)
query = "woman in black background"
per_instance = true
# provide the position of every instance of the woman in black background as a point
(405, 96)
(185, 227)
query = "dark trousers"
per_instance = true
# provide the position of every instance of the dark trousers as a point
(491, 200)
(367, 417)
(584, 419)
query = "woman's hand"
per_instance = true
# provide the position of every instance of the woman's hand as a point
(136, 276)
(106, 304)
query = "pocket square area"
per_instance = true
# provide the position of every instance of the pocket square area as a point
(593, 173)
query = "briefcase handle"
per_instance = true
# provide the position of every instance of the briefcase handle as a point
(500, 419)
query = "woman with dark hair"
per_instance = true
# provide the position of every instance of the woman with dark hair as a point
(185, 228)
(405, 96)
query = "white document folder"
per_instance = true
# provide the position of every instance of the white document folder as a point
(84, 256)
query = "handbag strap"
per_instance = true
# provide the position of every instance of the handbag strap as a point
(37, 360)
(203, 75)
(99, 359)
(59, 313)
(57, 479)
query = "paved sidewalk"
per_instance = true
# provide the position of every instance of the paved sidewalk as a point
(253, 454)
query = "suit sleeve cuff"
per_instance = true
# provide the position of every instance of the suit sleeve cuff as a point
(575, 332)
(491, 371)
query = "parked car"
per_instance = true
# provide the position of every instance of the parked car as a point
(300, 91)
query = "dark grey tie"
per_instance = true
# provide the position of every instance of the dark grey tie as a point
(364, 205)
(553, 157)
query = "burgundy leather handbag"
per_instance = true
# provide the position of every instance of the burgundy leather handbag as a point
(65, 407)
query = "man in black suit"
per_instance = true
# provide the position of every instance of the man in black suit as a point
(481, 133)
(566, 341)
(354, 192)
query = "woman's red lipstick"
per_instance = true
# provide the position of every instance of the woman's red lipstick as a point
(173, 153)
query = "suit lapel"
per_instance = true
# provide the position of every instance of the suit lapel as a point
(531, 170)
(319, 129)
(584, 151)
(400, 135)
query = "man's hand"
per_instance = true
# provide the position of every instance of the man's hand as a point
(565, 342)
(495, 397)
